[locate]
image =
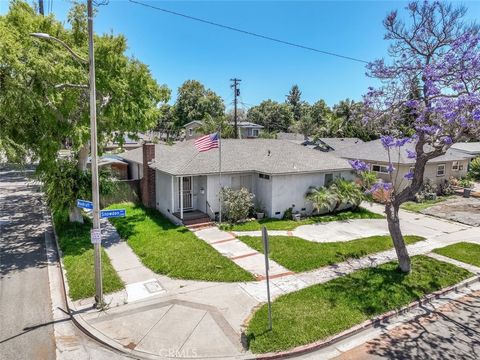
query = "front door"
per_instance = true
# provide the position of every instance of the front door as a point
(187, 192)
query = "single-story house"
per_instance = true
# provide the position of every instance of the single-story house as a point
(177, 178)
(246, 130)
(116, 165)
(470, 148)
(452, 164)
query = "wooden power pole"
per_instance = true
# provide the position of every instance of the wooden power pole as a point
(236, 93)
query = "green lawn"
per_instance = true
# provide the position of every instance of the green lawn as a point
(418, 207)
(74, 240)
(173, 250)
(323, 310)
(465, 252)
(278, 224)
(300, 255)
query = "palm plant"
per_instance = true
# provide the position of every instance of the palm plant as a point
(322, 198)
(347, 192)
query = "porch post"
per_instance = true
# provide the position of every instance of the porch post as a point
(181, 197)
(173, 194)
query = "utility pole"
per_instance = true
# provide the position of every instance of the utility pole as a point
(236, 92)
(96, 231)
(40, 7)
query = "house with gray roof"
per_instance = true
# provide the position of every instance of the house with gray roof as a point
(470, 148)
(246, 129)
(179, 179)
(453, 164)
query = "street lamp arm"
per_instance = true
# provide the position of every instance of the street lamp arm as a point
(49, 37)
(68, 85)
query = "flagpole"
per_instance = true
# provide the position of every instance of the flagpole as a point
(220, 169)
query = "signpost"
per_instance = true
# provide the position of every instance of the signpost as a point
(104, 214)
(96, 236)
(267, 268)
(84, 204)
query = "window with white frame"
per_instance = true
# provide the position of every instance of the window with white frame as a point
(382, 169)
(441, 170)
(254, 132)
(455, 166)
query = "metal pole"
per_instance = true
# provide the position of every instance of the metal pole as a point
(267, 268)
(220, 169)
(93, 150)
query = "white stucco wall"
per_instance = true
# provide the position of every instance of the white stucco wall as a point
(289, 190)
(163, 194)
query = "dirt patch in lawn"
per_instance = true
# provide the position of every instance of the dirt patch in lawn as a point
(463, 210)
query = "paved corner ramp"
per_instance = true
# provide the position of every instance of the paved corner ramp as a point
(170, 329)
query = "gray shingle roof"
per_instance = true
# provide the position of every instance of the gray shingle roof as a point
(260, 155)
(374, 151)
(340, 143)
(472, 148)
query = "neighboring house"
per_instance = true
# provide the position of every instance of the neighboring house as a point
(117, 166)
(470, 148)
(452, 164)
(191, 129)
(322, 144)
(246, 130)
(178, 178)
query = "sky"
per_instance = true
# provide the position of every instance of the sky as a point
(177, 49)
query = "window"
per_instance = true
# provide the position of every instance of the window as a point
(460, 167)
(441, 170)
(264, 176)
(254, 132)
(328, 179)
(190, 131)
(382, 169)
(455, 166)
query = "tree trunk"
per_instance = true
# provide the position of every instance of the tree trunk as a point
(397, 237)
(75, 214)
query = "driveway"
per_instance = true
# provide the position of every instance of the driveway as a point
(460, 209)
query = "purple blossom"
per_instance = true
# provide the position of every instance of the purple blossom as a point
(401, 142)
(447, 140)
(387, 141)
(359, 165)
(385, 186)
(411, 154)
(390, 168)
(409, 175)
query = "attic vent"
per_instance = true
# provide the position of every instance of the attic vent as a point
(268, 153)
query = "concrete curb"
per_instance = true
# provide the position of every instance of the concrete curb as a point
(304, 349)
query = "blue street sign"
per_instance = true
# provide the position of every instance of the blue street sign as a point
(84, 204)
(112, 213)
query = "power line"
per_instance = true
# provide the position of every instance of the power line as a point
(248, 32)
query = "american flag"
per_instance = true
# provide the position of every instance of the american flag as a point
(207, 142)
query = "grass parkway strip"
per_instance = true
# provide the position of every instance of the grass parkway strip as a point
(173, 250)
(320, 311)
(278, 224)
(78, 258)
(300, 255)
(468, 253)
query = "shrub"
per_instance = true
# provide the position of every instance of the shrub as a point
(427, 192)
(288, 214)
(474, 171)
(236, 204)
(447, 188)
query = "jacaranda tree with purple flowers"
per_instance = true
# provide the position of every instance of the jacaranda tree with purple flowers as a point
(436, 52)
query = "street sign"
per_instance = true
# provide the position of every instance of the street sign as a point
(96, 236)
(84, 204)
(267, 268)
(112, 213)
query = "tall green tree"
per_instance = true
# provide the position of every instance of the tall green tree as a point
(275, 117)
(44, 97)
(195, 102)
(294, 99)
